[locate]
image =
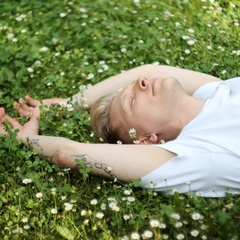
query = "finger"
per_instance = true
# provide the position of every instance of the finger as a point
(13, 122)
(32, 101)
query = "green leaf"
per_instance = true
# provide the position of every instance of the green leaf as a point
(65, 232)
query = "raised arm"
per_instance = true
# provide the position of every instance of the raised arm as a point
(190, 80)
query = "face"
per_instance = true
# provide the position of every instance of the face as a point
(146, 105)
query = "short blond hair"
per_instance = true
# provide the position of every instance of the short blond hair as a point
(100, 119)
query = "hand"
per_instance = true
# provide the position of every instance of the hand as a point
(33, 105)
(29, 128)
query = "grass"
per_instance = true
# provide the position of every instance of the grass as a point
(53, 48)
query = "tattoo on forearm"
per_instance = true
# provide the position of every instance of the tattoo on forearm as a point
(93, 164)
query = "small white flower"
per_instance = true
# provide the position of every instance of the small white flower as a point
(136, 142)
(154, 223)
(54, 211)
(187, 51)
(90, 76)
(132, 133)
(162, 225)
(194, 233)
(165, 236)
(209, 47)
(135, 235)
(62, 14)
(83, 212)
(131, 199)
(147, 234)
(10, 36)
(224, 72)
(26, 227)
(185, 37)
(93, 201)
(175, 216)
(27, 180)
(190, 42)
(119, 142)
(123, 50)
(127, 192)
(103, 206)
(126, 217)
(30, 69)
(99, 215)
(196, 216)
(43, 49)
(68, 206)
(180, 236)
(190, 30)
(63, 198)
(25, 220)
(39, 195)
(109, 169)
(178, 224)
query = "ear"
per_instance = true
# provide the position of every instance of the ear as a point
(149, 139)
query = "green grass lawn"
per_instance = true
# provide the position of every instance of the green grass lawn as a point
(54, 48)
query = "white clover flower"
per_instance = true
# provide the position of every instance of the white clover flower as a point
(83, 212)
(105, 67)
(94, 202)
(10, 36)
(175, 216)
(127, 192)
(204, 237)
(191, 42)
(26, 227)
(14, 39)
(224, 72)
(209, 47)
(178, 224)
(180, 236)
(154, 223)
(54, 211)
(99, 215)
(119, 142)
(131, 199)
(123, 50)
(125, 238)
(24, 220)
(90, 76)
(116, 208)
(29, 69)
(132, 133)
(126, 217)
(39, 195)
(68, 206)
(185, 37)
(27, 180)
(190, 30)
(103, 206)
(165, 236)
(162, 225)
(135, 235)
(136, 142)
(196, 216)
(148, 234)
(187, 51)
(63, 198)
(17, 230)
(156, 63)
(194, 233)
(62, 14)
(162, 142)
(43, 49)
(86, 221)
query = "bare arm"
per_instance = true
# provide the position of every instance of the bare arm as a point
(124, 162)
(190, 80)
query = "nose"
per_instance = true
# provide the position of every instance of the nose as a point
(143, 83)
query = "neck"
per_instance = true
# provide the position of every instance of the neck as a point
(191, 107)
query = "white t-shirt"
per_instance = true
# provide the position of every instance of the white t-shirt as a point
(208, 148)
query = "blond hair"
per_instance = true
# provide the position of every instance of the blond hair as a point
(100, 119)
